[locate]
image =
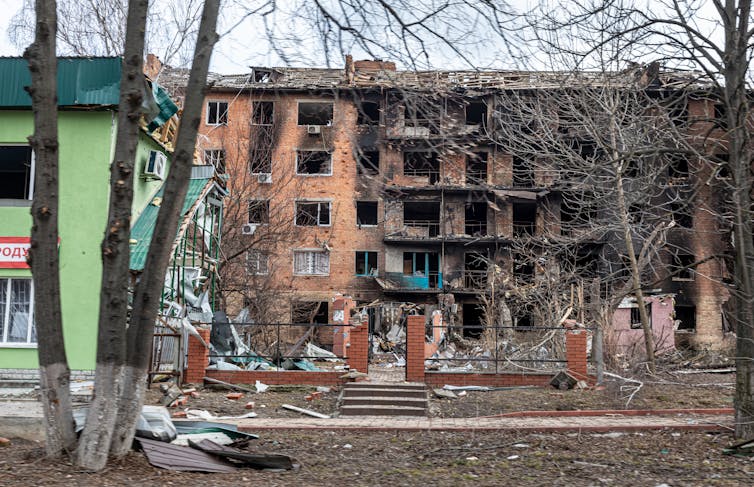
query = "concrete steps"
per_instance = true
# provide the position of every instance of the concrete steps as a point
(383, 399)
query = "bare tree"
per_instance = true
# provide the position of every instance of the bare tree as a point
(715, 38)
(53, 364)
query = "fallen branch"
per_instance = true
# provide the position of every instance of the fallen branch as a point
(229, 385)
(638, 387)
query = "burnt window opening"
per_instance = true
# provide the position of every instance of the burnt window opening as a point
(682, 267)
(677, 108)
(263, 113)
(476, 168)
(217, 113)
(636, 316)
(475, 222)
(366, 213)
(524, 320)
(422, 218)
(314, 163)
(420, 116)
(682, 214)
(524, 219)
(476, 113)
(369, 113)
(575, 216)
(16, 169)
(523, 173)
(631, 169)
(315, 113)
(422, 164)
(366, 263)
(313, 213)
(310, 312)
(259, 75)
(260, 161)
(523, 268)
(585, 265)
(636, 214)
(368, 163)
(259, 212)
(678, 167)
(685, 317)
(216, 158)
(475, 270)
(473, 320)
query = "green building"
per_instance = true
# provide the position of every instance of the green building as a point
(88, 92)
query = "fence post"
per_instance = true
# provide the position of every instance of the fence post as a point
(341, 331)
(576, 353)
(198, 357)
(598, 353)
(358, 352)
(415, 348)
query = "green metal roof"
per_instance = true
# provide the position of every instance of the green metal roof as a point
(81, 81)
(143, 229)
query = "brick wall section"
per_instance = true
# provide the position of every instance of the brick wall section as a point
(439, 379)
(341, 334)
(415, 348)
(283, 377)
(576, 353)
(358, 352)
(198, 358)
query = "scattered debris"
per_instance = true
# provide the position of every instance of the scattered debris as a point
(261, 387)
(4, 442)
(215, 436)
(443, 394)
(308, 412)
(354, 374)
(249, 405)
(324, 389)
(181, 458)
(563, 381)
(254, 460)
(472, 459)
(513, 457)
(231, 386)
(742, 449)
(189, 427)
(234, 396)
(154, 423)
(206, 415)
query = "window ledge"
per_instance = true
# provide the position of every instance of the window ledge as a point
(18, 345)
(15, 202)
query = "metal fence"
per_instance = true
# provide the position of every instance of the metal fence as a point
(498, 349)
(279, 346)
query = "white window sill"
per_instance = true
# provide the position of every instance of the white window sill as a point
(17, 345)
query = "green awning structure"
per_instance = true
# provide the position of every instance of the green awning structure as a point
(81, 81)
(142, 230)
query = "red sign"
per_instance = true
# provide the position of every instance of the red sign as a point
(13, 252)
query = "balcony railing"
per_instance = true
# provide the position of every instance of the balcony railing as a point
(416, 281)
(421, 228)
(524, 229)
(474, 279)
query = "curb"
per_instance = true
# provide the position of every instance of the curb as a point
(585, 413)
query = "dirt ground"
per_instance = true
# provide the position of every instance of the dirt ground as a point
(667, 390)
(437, 458)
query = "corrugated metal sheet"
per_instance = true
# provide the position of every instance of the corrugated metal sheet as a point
(143, 229)
(81, 81)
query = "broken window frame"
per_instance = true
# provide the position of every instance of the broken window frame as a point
(311, 262)
(260, 161)
(215, 116)
(682, 267)
(215, 158)
(477, 167)
(376, 213)
(301, 162)
(29, 165)
(262, 209)
(428, 167)
(483, 121)
(260, 116)
(635, 317)
(369, 258)
(365, 165)
(257, 263)
(523, 173)
(11, 306)
(316, 219)
(327, 121)
(364, 117)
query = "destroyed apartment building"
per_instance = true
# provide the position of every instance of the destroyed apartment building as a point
(491, 198)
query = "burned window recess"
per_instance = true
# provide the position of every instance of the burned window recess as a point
(312, 213)
(263, 113)
(259, 212)
(217, 113)
(313, 163)
(366, 213)
(315, 113)
(366, 263)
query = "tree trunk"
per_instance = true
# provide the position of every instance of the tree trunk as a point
(43, 256)
(111, 340)
(148, 289)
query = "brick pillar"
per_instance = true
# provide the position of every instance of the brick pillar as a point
(576, 353)
(415, 348)
(358, 352)
(341, 333)
(198, 358)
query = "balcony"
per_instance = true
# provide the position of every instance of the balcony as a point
(418, 282)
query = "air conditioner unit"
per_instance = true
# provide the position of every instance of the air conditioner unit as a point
(314, 129)
(248, 229)
(265, 178)
(156, 164)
